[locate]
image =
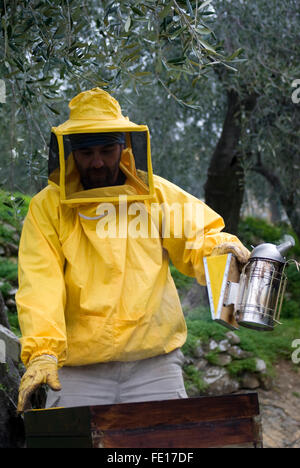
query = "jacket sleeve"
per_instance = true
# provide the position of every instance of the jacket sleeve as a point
(190, 229)
(41, 295)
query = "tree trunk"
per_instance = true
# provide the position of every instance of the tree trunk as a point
(289, 199)
(224, 188)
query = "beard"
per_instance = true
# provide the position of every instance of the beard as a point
(105, 176)
(96, 178)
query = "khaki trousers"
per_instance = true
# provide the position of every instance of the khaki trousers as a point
(157, 378)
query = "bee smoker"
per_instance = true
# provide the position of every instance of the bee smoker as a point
(258, 296)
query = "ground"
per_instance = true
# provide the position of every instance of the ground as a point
(280, 408)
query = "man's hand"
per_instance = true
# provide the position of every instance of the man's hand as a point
(242, 254)
(41, 370)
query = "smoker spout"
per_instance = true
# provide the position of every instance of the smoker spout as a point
(285, 246)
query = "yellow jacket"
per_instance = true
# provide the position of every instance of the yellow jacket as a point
(88, 297)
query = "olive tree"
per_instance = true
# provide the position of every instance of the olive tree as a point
(259, 142)
(51, 50)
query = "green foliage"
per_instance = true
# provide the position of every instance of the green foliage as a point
(5, 233)
(199, 313)
(13, 208)
(238, 366)
(254, 231)
(8, 270)
(192, 377)
(107, 44)
(291, 302)
(203, 330)
(190, 344)
(290, 308)
(50, 51)
(181, 281)
(14, 323)
(5, 287)
(269, 142)
(212, 357)
(269, 346)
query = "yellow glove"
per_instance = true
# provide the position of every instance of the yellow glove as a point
(41, 370)
(241, 253)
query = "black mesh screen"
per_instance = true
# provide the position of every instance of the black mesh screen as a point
(138, 142)
(67, 146)
(139, 149)
(53, 161)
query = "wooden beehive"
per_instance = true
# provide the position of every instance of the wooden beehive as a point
(220, 421)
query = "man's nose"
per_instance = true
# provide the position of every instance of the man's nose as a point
(97, 161)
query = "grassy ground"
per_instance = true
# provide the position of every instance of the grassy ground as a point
(269, 346)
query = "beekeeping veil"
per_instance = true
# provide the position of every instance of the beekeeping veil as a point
(96, 116)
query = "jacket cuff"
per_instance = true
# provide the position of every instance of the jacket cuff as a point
(45, 352)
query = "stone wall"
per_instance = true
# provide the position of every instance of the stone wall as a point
(206, 368)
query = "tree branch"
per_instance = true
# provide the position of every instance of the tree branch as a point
(270, 176)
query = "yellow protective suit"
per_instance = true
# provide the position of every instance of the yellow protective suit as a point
(88, 294)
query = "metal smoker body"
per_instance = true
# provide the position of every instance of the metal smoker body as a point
(258, 296)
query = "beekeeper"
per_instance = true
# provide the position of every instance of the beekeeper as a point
(99, 313)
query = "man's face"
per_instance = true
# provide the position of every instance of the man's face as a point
(98, 165)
